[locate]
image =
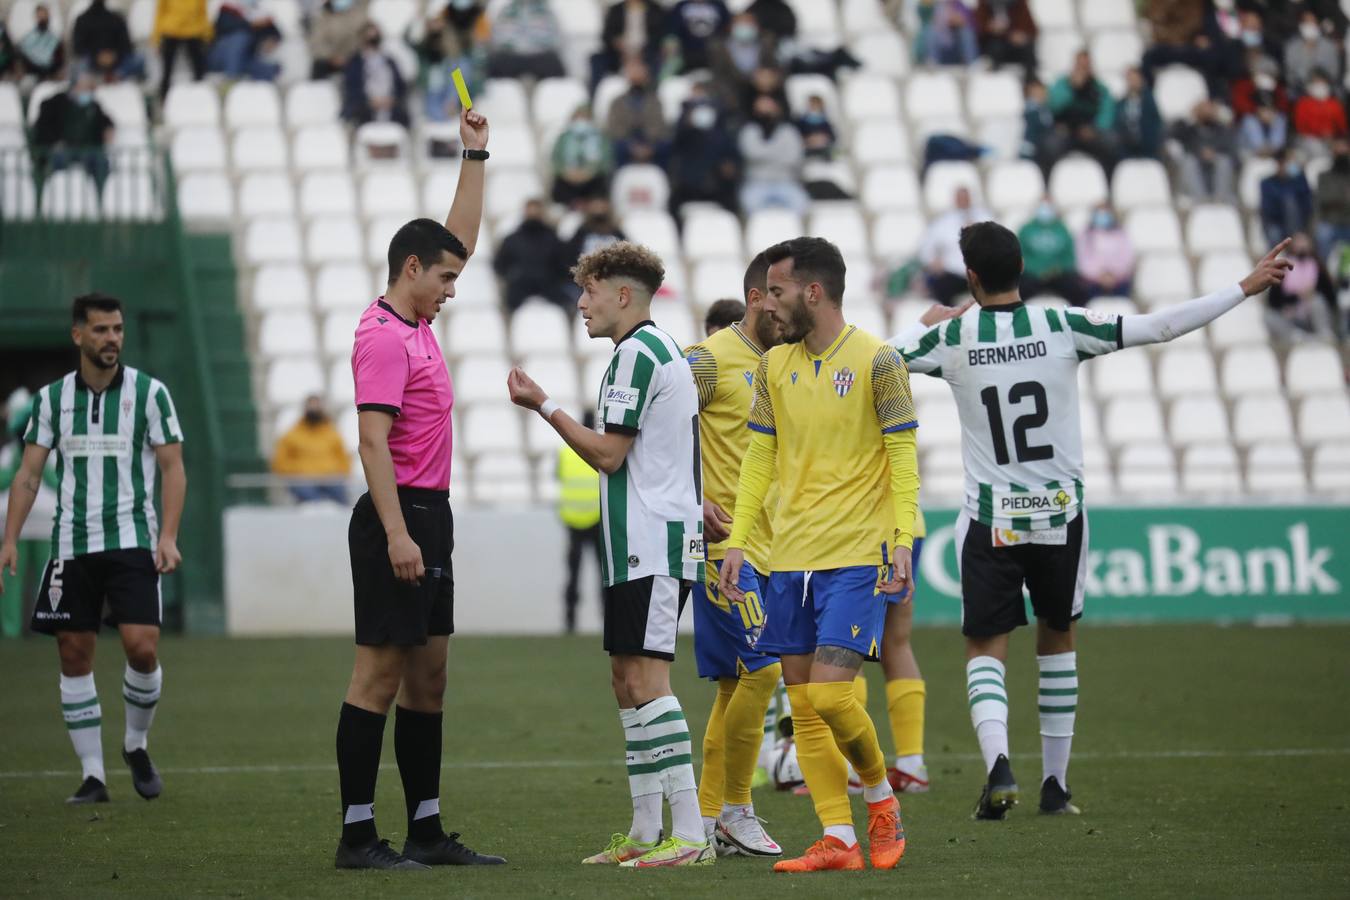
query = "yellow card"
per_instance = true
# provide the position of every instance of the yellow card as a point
(458, 77)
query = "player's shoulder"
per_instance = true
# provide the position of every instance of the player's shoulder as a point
(650, 341)
(379, 326)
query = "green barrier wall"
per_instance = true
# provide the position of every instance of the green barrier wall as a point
(1248, 563)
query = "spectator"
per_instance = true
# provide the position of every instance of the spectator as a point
(940, 251)
(1138, 126)
(597, 230)
(1304, 303)
(525, 41)
(1260, 84)
(636, 123)
(723, 314)
(735, 58)
(1105, 255)
(582, 160)
(1333, 200)
(335, 35)
(41, 51)
(1264, 131)
(1187, 32)
(696, 24)
(72, 128)
(1041, 143)
(8, 56)
(818, 135)
(703, 159)
(453, 38)
(773, 153)
(946, 34)
(1284, 17)
(1256, 39)
(312, 454)
(373, 89)
(1209, 160)
(1049, 265)
(1318, 115)
(245, 42)
(766, 81)
(1286, 199)
(631, 28)
(579, 510)
(100, 39)
(532, 262)
(775, 18)
(180, 23)
(1309, 54)
(1007, 33)
(1084, 112)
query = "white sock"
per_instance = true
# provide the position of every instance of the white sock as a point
(911, 764)
(84, 723)
(1058, 701)
(988, 707)
(844, 833)
(140, 692)
(875, 793)
(729, 810)
(643, 785)
(665, 729)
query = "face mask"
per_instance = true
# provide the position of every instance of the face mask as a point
(1045, 212)
(598, 220)
(43, 26)
(1292, 170)
(745, 33)
(84, 98)
(1103, 220)
(341, 5)
(1319, 91)
(1264, 82)
(814, 118)
(703, 116)
(314, 416)
(1310, 31)
(1251, 38)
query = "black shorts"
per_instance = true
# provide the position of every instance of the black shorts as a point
(74, 591)
(641, 616)
(389, 611)
(992, 579)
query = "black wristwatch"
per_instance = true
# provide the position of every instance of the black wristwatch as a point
(476, 154)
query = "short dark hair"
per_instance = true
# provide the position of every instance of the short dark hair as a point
(755, 274)
(724, 313)
(79, 310)
(993, 253)
(425, 239)
(813, 259)
(622, 259)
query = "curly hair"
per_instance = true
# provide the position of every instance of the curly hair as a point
(623, 259)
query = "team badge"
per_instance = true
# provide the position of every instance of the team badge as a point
(843, 381)
(54, 597)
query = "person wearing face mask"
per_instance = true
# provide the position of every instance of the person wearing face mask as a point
(773, 153)
(1138, 124)
(1319, 115)
(101, 39)
(704, 162)
(72, 129)
(1304, 304)
(636, 124)
(631, 28)
(817, 132)
(1049, 258)
(180, 24)
(525, 41)
(1192, 33)
(335, 34)
(597, 230)
(1333, 200)
(1208, 168)
(531, 262)
(1105, 255)
(1308, 52)
(1007, 32)
(735, 57)
(373, 89)
(1264, 131)
(311, 453)
(41, 53)
(582, 160)
(452, 38)
(1286, 199)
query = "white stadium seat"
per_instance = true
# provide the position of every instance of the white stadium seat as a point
(555, 100)
(198, 149)
(1241, 326)
(70, 195)
(896, 235)
(817, 23)
(205, 196)
(942, 180)
(280, 286)
(481, 380)
(1324, 418)
(883, 52)
(438, 189)
(1076, 182)
(287, 332)
(867, 96)
(261, 148)
(1313, 368)
(125, 105)
(1249, 371)
(266, 194)
(343, 286)
(932, 93)
(1263, 417)
(191, 103)
(1115, 50)
(1054, 13)
(1276, 467)
(672, 91)
(880, 141)
(1154, 229)
(1122, 375)
(800, 88)
(712, 233)
(388, 193)
(1222, 268)
(508, 189)
(1331, 469)
(1196, 420)
(539, 326)
(327, 194)
(1213, 226)
(475, 331)
(1133, 419)
(320, 147)
(381, 144)
(559, 372)
(505, 100)
(393, 17)
(251, 103)
(333, 239)
(1148, 469)
(1162, 278)
(131, 196)
(717, 278)
(504, 478)
(1015, 185)
(1140, 182)
(993, 95)
(1186, 371)
(312, 103)
(1055, 51)
(863, 17)
(655, 229)
(291, 380)
(1254, 170)
(1098, 14)
(492, 428)
(766, 227)
(1177, 90)
(11, 107)
(889, 187)
(842, 222)
(1210, 469)
(641, 186)
(610, 88)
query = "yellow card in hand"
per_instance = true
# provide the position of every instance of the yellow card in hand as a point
(462, 88)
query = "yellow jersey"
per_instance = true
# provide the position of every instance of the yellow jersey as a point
(724, 369)
(829, 414)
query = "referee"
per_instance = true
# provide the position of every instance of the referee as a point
(113, 429)
(401, 535)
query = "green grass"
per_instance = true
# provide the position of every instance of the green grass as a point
(1177, 796)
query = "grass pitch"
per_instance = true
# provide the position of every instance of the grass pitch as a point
(1209, 762)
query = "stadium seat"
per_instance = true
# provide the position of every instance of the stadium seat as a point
(507, 190)
(333, 239)
(1213, 227)
(205, 196)
(11, 107)
(1197, 419)
(766, 227)
(1331, 468)
(842, 221)
(860, 18)
(1054, 13)
(69, 195)
(1186, 371)
(610, 88)
(1177, 90)
(1312, 369)
(1222, 268)
(381, 143)
(1210, 469)
(639, 187)
(882, 52)
(327, 194)
(896, 235)
(438, 190)
(287, 332)
(941, 426)
(341, 386)
(291, 380)
(712, 233)
(312, 103)
(266, 194)
(1115, 50)
(377, 235)
(476, 287)
(252, 103)
(393, 17)
(559, 372)
(993, 95)
(1254, 170)
(1140, 182)
(280, 286)
(476, 332)
(868, 96)
(656, 229)
(1147, 476)
(343, 286)
(388, 193)
(888, 187)
(502, 479)
(1095, 15)
(1133, 419)
(1154, 229)
(1055, 51)
(41, 93)
(1239, 327)
(492, 428)
(1276, 467)
(1015, 185)
(1162, 278)
(320, 147)
(539, 327)
(1324, 418)
(1077, 182)
(125, 105)
(555, 100)
(191, 103)
(506, 99)
(817, 23)
(258, 149)
(1122, 375)
(867, 316)
(131, 196)
(717, 278)
(1248, 371)
(880, 141)
(1261, 417)
(480, 379)
(198, 149)
(932, 93)
(943, 178)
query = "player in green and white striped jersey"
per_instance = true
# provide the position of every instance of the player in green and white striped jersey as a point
(1013, 371)
(651, 507)
(114, 430)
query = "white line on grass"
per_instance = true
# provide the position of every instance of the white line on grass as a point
(613, 764)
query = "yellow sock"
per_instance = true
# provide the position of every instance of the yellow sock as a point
(860, 689)
(713, 776)
(837, 704)
(822, 764)
(743, 727)
(905, 702)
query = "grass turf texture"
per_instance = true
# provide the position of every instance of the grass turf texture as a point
(1177, 796)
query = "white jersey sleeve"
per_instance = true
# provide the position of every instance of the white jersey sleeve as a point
(1094, 333)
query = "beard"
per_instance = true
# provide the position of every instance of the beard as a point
(767, 332)
(95, 356)
(797, 325)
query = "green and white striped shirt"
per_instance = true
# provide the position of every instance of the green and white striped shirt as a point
(1014, 373)
(652, 507)
(105, 459)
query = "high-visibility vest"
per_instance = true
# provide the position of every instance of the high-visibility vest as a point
(578, 490)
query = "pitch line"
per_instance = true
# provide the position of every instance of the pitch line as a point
(614, 764)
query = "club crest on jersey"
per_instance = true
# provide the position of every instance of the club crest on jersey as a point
(54, 597)
(843, 381)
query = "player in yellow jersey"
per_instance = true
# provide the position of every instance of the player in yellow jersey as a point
(905, 690)
(834, 421)
(725, 632)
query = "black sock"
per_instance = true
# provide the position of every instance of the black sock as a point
(417, 745)
(359, 736)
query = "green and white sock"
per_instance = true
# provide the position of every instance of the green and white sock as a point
(84, 723)
(140, 690)
(666, 736)
(988, 707)
(644, 780)
(1058, 701)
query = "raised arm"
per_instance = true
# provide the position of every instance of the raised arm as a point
(920, 344)
(466, 213)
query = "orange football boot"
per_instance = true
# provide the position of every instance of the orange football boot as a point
(885, 834)
(825, 855)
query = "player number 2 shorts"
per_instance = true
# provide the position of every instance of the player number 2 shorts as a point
(725, 632)
(73, 592)
(830, 608)
(641, 616)
(389, 611)
(992, 578)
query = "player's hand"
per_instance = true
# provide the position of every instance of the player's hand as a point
(167, 557)
(716, 523)
(9, 562)
(728, 579)
(473, 130)
(524, 392)
(939, 313)
(1269, 272)
(406, 558)
(900, 574)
